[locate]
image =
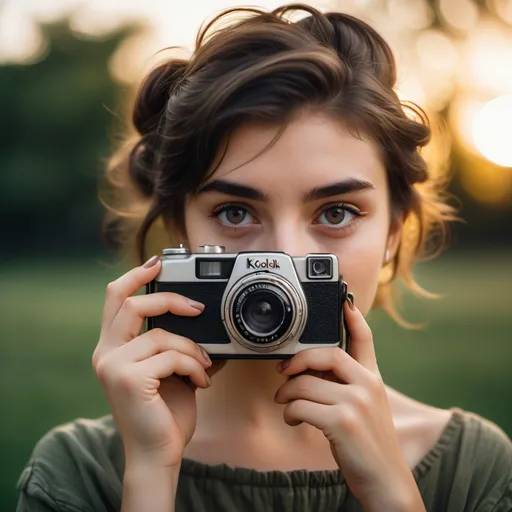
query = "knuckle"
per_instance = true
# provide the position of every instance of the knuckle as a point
(173, 298)
(367, 332)
(362, 400)
(339, 356)
(374, 383)
(348, 419)
(95, 359)
(297, 407)
(158, 331)
(112, 289)
(129, 304)
(123, 380)
(102, 370)
(159, 337)
(156, 339)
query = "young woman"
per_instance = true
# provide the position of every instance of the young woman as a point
(287, 136)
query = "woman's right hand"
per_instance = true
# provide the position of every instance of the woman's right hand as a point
(149, 379)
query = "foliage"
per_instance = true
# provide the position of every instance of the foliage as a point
(55, 136)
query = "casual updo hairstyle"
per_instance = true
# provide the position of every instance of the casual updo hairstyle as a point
(264, 67)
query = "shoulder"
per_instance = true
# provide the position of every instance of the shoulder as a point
(471, 464)
(76, 466)
(488, 449)
(484, 438)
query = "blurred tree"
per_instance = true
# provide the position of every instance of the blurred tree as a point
(55, 136)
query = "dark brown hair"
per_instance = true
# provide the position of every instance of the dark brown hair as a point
(261, 66)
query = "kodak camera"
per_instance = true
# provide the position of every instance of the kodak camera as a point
(258, 304)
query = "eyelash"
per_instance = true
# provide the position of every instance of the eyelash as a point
(227, 206)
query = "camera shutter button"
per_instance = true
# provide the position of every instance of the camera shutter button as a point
(171, 251)
(212, 249)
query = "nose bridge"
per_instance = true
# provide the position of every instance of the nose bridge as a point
(290, 236)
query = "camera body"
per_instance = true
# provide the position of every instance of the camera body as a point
(260, 305)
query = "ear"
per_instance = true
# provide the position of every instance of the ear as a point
(395, 235)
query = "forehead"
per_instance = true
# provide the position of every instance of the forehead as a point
(312, 150)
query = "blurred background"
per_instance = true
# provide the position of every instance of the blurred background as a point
(67, 70)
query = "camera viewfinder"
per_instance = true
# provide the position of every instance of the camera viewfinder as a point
(319, 267)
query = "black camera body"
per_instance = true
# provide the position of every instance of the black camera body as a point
(258, 304)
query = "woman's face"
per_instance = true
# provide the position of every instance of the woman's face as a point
(317, 189)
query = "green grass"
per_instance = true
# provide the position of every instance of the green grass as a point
(51, 315)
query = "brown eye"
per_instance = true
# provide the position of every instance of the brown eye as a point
(338, 216)
(335, 215)
(235, 215)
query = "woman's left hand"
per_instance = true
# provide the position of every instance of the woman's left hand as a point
(348, 402)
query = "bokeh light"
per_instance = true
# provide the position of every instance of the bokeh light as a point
(460, 15)
(503, 8)
(21, 39)
(488, 59)
(453, 56)
(492, 130)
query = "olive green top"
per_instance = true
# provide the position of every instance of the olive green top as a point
(78, 467)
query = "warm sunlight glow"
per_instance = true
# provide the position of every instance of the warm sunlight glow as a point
(462, 113)
(459, 15)
(410, 89)
(492, 130)
(488, 58)
(452, 57)
(21, 40)
(486, 183)
(503, 9)
(416, 14)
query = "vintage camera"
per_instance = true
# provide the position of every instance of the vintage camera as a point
(258, 304)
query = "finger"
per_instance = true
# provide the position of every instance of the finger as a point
(303, 411)
(125, 286)
(313, 389)
(134, 311)
(156, 341)
(362, 348)
(171, 362)
(216, 366)
(332, 359)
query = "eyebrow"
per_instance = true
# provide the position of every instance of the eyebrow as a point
(333, 189)
(339, 188)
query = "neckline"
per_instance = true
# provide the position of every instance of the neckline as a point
(313, 478)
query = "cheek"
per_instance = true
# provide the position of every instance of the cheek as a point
(360, 265)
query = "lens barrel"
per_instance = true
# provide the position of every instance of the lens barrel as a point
(262, 312)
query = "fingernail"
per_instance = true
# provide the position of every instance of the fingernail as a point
(282, 365)
(151, 262)
(195, 304)
(350, 301)
(205, 355)
(208, 380)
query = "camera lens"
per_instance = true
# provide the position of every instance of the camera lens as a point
(262, 313)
